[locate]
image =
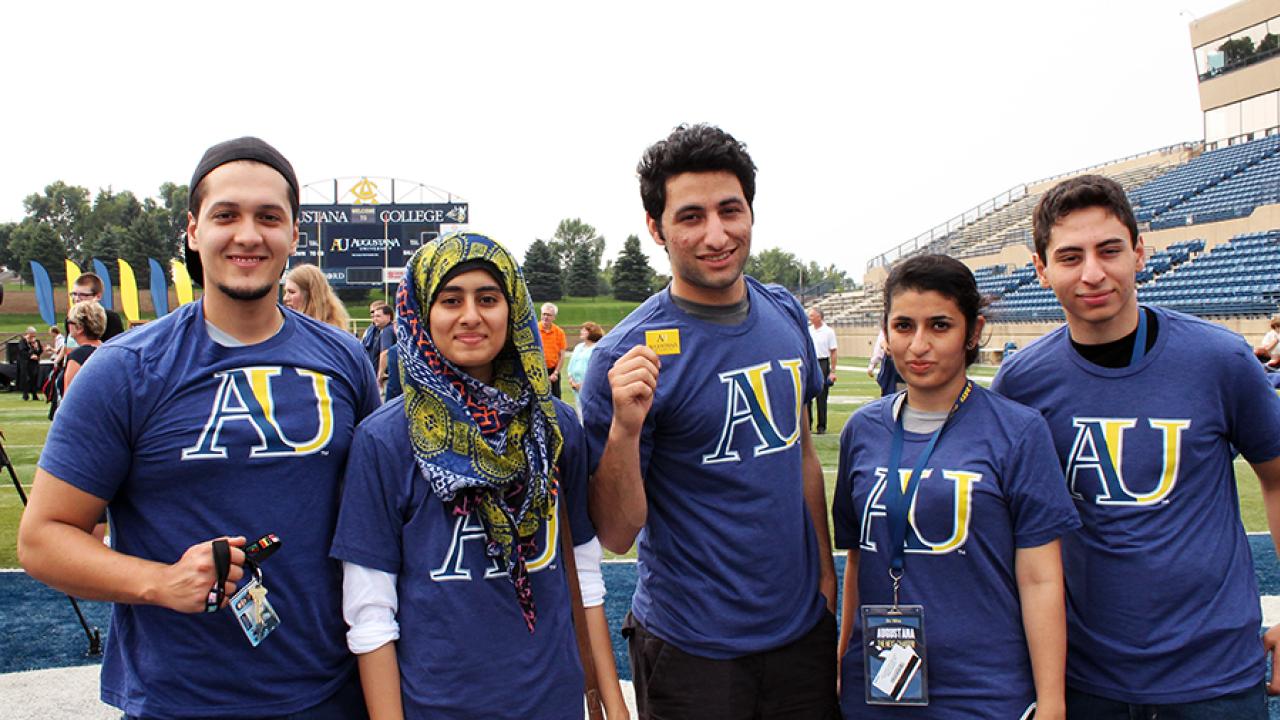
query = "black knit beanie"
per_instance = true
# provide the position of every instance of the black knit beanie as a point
(245, 148)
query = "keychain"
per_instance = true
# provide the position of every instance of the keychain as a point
(253, 611)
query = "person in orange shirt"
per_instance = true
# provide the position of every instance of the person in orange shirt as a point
(553, 344)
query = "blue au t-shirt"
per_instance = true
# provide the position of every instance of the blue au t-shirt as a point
(1162, 602)
(728, 560)
(992, 486)
(189, 440)
(464, 649)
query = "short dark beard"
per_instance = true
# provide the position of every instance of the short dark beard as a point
(246, 295)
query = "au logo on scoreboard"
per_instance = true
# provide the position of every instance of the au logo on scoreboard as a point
(365, 192)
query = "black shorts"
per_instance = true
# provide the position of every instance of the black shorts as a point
(796, 681)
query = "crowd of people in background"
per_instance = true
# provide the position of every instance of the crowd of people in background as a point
(30, 350)
(304, 289)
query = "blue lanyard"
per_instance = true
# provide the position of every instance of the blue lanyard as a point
(897, 500)
(1140, 340)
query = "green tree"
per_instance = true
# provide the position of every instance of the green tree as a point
(632, 276)
(111, 209)
(584, 273)
(1237, 50)
(775, 266)
(65, 209)
(33, 240)
(7, 258)
(150, 235)
(174, 198)
(571, 234)
(826, 279)
(1270, 42)
(542, 272)
(110, 229)
(605, 286)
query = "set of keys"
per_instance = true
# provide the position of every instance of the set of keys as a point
(258, 592)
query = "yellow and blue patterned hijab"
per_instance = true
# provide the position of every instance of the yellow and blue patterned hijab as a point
(489, 449)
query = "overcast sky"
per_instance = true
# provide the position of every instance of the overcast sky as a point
(870, 123)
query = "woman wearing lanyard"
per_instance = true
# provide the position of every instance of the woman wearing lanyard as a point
(953, 596)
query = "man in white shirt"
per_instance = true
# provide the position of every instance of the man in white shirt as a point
(824, 344)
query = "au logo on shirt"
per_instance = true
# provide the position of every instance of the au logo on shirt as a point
(252, 396)
(468, 530)
(1095, 465)
(747, 403)
(961, 511)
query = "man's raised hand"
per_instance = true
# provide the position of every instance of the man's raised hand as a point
(633, 380)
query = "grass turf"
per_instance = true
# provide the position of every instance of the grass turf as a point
(25, 425)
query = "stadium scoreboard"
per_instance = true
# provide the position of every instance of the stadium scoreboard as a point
(369, 245)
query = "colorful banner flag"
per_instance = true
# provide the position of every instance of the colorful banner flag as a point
(44, 294)
(107, 295)
(73, 272)
(181, 282)
(128, 291)
(159, 289)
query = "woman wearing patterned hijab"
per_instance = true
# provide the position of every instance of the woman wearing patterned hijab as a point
(457, 603)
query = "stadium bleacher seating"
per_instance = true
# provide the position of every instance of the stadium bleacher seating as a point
(1168, 190)
(1218, 185)
(1236, 278)
(1239, 277)
(1028, 302)
(1011, 225)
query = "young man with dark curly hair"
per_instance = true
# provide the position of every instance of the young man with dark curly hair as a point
(700, 449)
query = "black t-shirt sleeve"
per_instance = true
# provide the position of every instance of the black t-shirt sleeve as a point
(81, 353)
(115, 325)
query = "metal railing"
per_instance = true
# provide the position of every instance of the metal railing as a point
(956, 223)
(1188, 145)
(1015, 193)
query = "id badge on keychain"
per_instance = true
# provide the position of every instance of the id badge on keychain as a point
(253, 611)
(893, 655)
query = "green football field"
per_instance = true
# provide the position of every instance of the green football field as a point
(25, 425)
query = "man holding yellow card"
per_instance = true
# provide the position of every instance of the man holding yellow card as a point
(700, 450)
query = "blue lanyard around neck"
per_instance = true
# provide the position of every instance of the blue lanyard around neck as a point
(897, 499)
(1139, 340)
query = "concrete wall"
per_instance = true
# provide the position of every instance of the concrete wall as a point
(1232, 18)
(1266, 217)
(1240, 84)
(1015, 255)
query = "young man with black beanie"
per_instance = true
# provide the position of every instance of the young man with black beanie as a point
(229, 421)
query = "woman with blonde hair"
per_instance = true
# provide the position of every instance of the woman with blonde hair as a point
(307, 291)
(86, 321)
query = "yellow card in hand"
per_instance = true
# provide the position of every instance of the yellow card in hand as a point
(663, 342)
